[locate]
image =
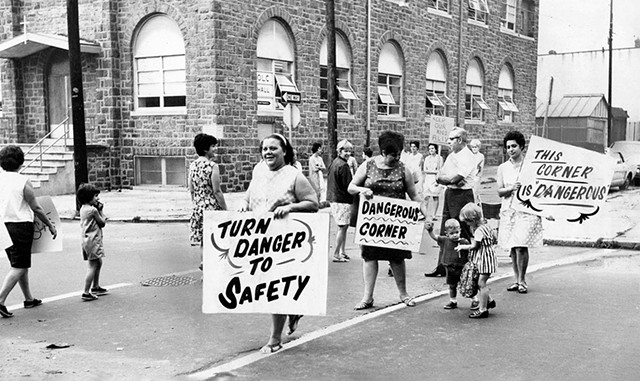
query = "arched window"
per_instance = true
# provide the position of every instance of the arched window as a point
(159, 64)
(437, 102)
(474, 104)
(275, 66)
(343, 75)
(390, 71)
(506, 106)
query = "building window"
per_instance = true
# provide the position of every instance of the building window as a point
(441, 5)
(506, 107)
(518, 16)
(474, 104)
(343, 75)
(478, 10)
(159, 66)
(275, 66)
(156, 170)
(390, 71)
(437, 101)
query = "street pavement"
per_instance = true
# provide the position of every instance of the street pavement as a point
(579, 320)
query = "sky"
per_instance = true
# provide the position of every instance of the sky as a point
(578, 25)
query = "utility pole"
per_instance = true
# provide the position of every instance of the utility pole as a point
(607, 140)
(545, 122)
(77, 97)
(332, 96)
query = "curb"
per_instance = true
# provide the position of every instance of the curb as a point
(600, 243)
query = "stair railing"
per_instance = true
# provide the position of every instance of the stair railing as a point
(65, 126)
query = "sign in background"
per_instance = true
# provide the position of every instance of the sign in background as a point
(43, 241)
(389, 222)
(439, 128)
(563, 181)
(5, 238)
(255, 263)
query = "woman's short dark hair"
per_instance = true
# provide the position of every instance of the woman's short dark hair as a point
(315, 147)
(86, 192)
(415, 142)
(434, 145)
(514, 135)
(390, 142)
(286, 146)
(11, 158)
(367, 151)
(202, 142)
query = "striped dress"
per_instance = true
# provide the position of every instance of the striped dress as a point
(484, 256)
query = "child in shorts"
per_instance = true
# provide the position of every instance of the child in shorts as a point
(452, 260)
(91, 221)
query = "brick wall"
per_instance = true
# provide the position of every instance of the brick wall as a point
(220, 40)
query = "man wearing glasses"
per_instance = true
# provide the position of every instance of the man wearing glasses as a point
(457, 175)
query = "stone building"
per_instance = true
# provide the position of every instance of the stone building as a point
(157, 72)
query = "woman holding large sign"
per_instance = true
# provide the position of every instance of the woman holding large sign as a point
(19, 207)
(387, 176)
(518, 231)
(278, 187)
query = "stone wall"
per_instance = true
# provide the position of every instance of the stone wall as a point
(220, 39)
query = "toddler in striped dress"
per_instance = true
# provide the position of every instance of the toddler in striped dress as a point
(481, 252)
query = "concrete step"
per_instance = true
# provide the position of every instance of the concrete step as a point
(45, 148)
(35, 170)
(53, 162)
(50, 156)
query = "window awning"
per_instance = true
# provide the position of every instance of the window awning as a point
(385, 95)
(433, 98)
(30, 43)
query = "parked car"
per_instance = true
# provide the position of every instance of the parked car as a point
(631, 152)
(623, 173)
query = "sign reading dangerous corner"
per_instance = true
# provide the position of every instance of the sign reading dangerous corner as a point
(259, 264)
(389, 222)
(563, 181)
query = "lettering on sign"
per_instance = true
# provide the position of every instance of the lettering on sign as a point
(556, 181)
(263, 264)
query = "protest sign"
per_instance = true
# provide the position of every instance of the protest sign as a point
(563, 181)
(5, 239)
(389, 222)
(43, 241)
(255, 263)
(439, 128)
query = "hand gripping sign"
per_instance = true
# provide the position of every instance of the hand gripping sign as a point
(389, 222)
(563, 181)
(255, 263)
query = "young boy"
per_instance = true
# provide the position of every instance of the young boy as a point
(452, 260)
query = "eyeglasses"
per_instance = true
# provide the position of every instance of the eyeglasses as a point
(454, 137)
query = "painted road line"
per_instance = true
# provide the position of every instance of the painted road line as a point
(67, 295)
(257, 356)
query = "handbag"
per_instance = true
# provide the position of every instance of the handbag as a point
(468, 284)
(353, 218)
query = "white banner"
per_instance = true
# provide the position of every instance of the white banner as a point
(43, 241)
(563, 181)
(389, 222)
(5, 238)
(259, 264)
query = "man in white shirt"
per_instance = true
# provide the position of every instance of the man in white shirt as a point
(457, 175)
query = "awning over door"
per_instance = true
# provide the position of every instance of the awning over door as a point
(29, 43)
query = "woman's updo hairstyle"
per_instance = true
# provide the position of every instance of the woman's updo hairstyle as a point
(391, 142)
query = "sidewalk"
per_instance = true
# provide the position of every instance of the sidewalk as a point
(616, 228)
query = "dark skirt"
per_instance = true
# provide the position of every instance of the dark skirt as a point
(373, 253)
(21, 234)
